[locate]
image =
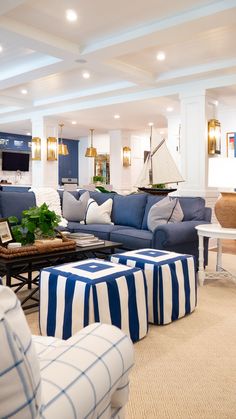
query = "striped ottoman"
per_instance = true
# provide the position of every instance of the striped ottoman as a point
(171, 282)
(76, 294)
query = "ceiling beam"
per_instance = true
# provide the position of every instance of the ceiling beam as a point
(8, 5)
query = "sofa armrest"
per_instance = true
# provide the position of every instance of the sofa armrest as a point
(87, 375)
(208, 214)
(172, 234)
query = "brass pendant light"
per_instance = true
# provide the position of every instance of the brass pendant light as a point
(62, 148)
(91, 151)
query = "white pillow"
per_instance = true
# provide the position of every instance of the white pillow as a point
(98, 214)
(20, 381)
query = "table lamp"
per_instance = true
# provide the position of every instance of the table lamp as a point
(222, 174)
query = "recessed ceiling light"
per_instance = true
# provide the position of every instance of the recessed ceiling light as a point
(116, 116)
(1, 48)
(74, 122)
(71, 15)
(24, 91)
(169, 109)
(86, 75)
(150, 124)
(161, 56)
(162, 132)
(216, 103)
(28, 133)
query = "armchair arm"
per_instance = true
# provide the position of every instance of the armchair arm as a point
(172, 234)
(87, 375)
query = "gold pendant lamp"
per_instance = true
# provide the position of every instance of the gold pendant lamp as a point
(62, 148)
(91, 151)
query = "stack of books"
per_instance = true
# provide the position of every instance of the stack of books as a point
(85, 239)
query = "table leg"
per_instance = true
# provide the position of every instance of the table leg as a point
(219, 256)
(201, 272)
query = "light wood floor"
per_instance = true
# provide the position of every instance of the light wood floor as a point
(228, 246)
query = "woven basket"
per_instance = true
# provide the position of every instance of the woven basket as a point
(35, 249)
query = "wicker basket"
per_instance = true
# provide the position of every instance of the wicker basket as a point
(35, 249)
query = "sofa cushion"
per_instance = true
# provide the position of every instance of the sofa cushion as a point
(165, 211)
(20, 394)
(100, 230)
(74, 209)
(99, 197)
(13, 203)
(151, 200)
(132, 238)
(129, 210)
(98, 214)
(193, 208)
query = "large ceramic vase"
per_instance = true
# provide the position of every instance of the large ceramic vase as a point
(225, 209)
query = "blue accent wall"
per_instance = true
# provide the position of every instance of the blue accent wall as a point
(68, 165)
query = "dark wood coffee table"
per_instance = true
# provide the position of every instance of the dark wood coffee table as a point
(20, 271)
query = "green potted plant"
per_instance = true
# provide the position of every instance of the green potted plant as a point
(98, 180)
(36, 223)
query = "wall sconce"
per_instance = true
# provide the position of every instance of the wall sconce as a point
(62, 148)
(126, 156)
(91, 151)
(51, 148)
(36, 148)
(214, 137)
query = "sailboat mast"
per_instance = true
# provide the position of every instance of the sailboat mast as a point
(151, 167)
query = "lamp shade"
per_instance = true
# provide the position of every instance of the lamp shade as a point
(222, 173)
(91, 151)
(36, 148)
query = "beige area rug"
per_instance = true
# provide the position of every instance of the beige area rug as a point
(188, 369)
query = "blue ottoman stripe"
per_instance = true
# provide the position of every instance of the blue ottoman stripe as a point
(52, 304)
(161, 298)
(175, 293)
(186, 286)
(114, 303)
(86, 304)
(132, 307)
(95, 303)
(155, 293)
(67, 320)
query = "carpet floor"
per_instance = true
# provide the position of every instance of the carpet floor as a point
(188, 369)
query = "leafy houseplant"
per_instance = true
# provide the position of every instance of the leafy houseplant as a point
(36, 223)
(98, 179)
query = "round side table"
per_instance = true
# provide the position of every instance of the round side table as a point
(212, 231)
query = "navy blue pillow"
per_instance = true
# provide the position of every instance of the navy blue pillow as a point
(129, 210)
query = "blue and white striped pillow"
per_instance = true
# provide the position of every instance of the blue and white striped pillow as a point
(20, 382)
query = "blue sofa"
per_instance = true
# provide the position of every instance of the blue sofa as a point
(129, 215)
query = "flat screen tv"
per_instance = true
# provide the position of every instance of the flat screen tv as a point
(15, 161)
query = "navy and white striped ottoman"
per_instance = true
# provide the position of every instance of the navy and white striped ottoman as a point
(171, 282)
(77, 294)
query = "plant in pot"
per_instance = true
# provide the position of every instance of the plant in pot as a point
(98, 180)
(36, 223)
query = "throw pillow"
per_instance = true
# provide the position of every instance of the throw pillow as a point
(99, 214)
(74, 209)
(165, 211)
(20, 394)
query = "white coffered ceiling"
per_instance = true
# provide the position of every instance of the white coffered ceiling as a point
(117, 43)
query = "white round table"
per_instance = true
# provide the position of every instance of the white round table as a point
(212, 231)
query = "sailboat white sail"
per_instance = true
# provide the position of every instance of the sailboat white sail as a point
(162, 167)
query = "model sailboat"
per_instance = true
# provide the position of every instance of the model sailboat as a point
(159, 168)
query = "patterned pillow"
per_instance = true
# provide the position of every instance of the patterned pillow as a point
(20, 382)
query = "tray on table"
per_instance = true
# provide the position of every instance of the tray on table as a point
(38, 248)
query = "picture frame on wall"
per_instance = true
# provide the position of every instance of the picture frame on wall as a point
(5, 232)
(231, 144)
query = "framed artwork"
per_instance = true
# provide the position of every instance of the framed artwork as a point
(5, 232)
(102, 167)
(231, 144)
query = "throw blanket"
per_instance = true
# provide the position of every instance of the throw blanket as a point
(51, 197)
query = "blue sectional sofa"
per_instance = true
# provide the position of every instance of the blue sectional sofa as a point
(129, 215)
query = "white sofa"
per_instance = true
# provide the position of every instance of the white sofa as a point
(43, 377)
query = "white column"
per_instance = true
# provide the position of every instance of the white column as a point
(44, 172)
(120, 176)
(86, 164)
(196, 110)
(173, 140)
